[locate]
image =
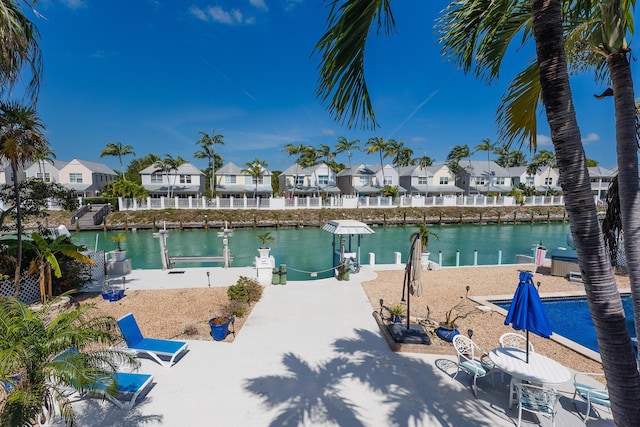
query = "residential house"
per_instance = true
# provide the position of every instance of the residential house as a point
(48, 171)
(313, 181)
(187, 180)
(435, 180)
(6, 174)
(368, 179)
(480, 177)
(231, 181)
(601, 180)
(86, 178)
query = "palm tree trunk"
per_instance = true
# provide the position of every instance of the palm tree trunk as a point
(617, 355)
(628, 185)
(16, 193)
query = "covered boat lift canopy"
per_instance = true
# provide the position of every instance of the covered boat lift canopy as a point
(344, 227)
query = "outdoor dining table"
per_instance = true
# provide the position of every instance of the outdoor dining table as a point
(540, 369)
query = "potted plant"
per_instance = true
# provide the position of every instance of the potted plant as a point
(220, 327)
(119, 254)
(423, 233)
(265, 238)
(448, 328)
(397, 312)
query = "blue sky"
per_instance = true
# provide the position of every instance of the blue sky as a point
(152, 74)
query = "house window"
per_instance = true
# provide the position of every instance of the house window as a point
(365, 180)
(530, 181)
(444, 180)
(480, 181)
(230, 179)
(47, 176)
(323, 179)
(156, 178)
(255, 180)
(299, 180)
(548, 181)
(75, 177)
(422, 180)
(388, 180)
(500, 180)
(185, 179)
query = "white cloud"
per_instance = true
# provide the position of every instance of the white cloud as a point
(259, 4)
(74, 4)
(221, 16)
(544, 140)
(418, 139)
(328, 132)
(591, 137)
(98, 54)
(291, 4)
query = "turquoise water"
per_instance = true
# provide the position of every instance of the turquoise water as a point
(578, 327)
(310, 249)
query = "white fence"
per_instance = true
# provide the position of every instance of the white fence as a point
(345, 202)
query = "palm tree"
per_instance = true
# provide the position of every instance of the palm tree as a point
(344, 145)
(478, 33)
(472, 37)
(19, 48)
(32, 366)
(256, 170)
(116, 149)
(545, 158)
(455, 156)
(21, 137)
(379, 145)
(41, 155)
(45, 260)
(208, 143)
(424, 162)
(167, 165)
(310, 160)
(298, 151)
(487, 146)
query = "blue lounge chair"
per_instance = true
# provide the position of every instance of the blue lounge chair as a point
(130, 385)
(156, 348)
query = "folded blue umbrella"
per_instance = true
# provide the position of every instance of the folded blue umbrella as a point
(526, 312)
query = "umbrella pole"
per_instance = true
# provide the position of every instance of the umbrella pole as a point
(527, 346)
(407, 279)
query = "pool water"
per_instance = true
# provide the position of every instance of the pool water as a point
(577, 326)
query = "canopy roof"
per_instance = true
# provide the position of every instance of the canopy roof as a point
(347, 226)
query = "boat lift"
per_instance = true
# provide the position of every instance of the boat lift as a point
(349, 228)
(168, 261)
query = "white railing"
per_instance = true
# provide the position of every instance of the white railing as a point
(346, 202)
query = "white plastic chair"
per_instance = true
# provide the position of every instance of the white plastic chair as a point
(537, 399)
(513, 340)
(470, 360)
(592, 395)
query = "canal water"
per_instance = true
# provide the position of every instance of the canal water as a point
(307, 252)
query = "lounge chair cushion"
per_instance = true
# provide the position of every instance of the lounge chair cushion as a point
(474, 366)
(596, 395)
(133, 334)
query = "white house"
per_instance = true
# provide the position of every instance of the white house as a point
(6, 174)
(435, 180)
(231, 181)
(48, 171)
(368, 179)
(601, 180)
(480, 177)
(186, 180)
(86, 178)
(297, 180)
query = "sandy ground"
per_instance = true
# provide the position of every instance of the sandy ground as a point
(183, 313)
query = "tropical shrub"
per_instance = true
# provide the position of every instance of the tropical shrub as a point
(245, 290)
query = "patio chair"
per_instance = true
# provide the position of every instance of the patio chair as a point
(591, 394)
(470, 360)
(537, 399)
(513, 340)
(129, 384)
(155, 348)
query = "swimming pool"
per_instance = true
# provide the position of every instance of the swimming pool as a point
(577, 326)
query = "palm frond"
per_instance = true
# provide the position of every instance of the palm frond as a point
(342, 82)
(517, 113)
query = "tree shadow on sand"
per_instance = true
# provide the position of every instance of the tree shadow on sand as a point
(415, 391)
